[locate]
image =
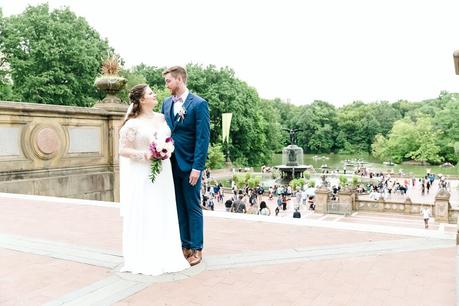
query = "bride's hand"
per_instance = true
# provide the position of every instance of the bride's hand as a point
(148, 155)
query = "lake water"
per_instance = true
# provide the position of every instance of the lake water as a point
(336, 161)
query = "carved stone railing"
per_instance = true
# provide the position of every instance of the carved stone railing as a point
(441, 207)
(59, 150)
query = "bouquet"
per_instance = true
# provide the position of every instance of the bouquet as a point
(160, 150)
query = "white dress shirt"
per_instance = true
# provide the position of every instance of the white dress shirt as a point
(178, 105)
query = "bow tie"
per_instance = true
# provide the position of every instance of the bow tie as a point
(176, 99)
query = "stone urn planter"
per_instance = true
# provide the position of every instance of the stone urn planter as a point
(110, 83)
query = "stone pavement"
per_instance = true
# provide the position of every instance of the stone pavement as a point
(56, 251)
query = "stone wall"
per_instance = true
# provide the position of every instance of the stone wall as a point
(441, 208)
(453, 215)
(381, 205)
(59, 150)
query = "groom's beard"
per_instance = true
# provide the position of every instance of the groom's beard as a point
(176, 90)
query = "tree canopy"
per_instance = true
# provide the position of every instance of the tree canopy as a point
(428, 133)
(53, 56)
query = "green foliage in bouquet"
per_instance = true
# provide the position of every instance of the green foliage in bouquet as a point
(155, 168)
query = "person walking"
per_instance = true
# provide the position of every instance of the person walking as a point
(297, 213)
(426, 214)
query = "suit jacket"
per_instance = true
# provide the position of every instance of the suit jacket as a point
(191, 134)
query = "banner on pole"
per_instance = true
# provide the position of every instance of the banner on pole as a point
(226, 123)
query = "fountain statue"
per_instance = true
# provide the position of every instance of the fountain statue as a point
(292, 159)
(292, 134)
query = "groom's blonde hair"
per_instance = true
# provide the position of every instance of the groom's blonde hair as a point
(176, 71)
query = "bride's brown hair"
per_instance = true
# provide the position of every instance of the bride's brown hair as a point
(137, 92)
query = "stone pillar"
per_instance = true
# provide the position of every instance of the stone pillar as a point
(408, 206)
(354, 201)
(115, 119)
(345, 199)
(442, 206)
(380, 204)
(322, 198)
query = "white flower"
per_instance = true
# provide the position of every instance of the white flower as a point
(170, 147)
(165, 148)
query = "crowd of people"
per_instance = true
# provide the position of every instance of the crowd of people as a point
(385, 185)
(273, 201)
(284, 200)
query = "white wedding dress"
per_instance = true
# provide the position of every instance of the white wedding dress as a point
(151, 237)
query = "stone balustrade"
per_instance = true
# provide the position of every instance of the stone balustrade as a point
(441, 208)
(60, 150)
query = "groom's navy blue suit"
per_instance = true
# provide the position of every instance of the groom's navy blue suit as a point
(191, 139)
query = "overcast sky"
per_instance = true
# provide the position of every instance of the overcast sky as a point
(332, 50)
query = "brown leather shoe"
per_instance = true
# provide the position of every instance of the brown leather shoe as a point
(195, 258)
(187, 252)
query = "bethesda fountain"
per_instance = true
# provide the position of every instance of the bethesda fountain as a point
(292, 159)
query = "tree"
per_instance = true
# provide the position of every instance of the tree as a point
(6, 86)
(409, 140)
(444, 111)
(246, 179)
(215, 157)
(318, 121)
(425, 139)
(380, 148)
(272, 126)
(359, 123)
(53, 56)
(447, 121)
(343, 181)
(153, 75)
(399, 143)
(133, 79)
(250, 131)
(286, 113)
(297, 183)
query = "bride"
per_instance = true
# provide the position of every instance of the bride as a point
(151, 238)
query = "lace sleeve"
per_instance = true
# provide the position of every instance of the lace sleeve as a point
(127, 144)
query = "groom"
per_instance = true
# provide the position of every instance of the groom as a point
(188, 118)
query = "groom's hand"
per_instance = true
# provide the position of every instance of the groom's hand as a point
(194, 177)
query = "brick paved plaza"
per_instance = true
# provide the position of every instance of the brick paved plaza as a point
(67, 252)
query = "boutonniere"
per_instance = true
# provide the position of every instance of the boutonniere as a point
(181, 114)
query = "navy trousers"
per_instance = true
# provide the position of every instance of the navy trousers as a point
(189, 210)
